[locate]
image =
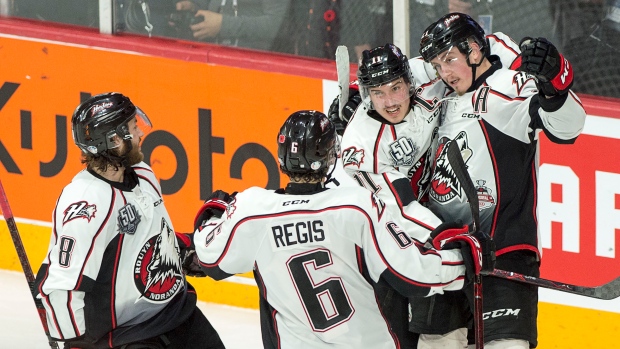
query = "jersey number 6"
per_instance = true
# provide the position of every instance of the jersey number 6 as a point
(325, 302)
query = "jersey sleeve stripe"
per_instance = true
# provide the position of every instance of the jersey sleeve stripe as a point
(375, 152)
(503, 42)
(151, 183)
(76, 328)
(114, 275)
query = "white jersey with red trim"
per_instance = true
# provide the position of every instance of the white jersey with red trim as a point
(495, 126)
(113, 269)
(315, 258)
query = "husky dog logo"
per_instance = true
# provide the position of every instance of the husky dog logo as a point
(444, 184)
(352, 156)
(157, 270)
(80, 209)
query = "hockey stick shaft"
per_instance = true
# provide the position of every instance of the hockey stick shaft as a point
(460, 170)
(23, 260)
(610, 290)
(343, 72)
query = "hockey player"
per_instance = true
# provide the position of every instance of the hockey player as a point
(495, 115)
(112, 276)
(316, 252)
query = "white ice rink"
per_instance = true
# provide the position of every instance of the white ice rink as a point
(21, 328)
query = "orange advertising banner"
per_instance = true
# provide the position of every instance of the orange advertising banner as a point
(211, 127)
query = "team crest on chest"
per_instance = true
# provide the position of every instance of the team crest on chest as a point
(157, 270)
(128, 219)
(444, 184)
(80, 209)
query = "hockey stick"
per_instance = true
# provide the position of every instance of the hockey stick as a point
(610, 290)
(23, 259)
(342, 69)
(460, 171)
(607, 291)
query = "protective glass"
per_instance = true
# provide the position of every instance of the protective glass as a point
(124, 131)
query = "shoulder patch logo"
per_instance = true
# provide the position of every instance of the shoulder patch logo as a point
(352, 157)
(80, 209)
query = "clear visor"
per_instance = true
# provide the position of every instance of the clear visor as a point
(393, 93)
(138, 126)
(143, 122)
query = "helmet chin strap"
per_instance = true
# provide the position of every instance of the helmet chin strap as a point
(473, 68)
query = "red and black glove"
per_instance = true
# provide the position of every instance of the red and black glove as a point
(477, 248)
(552, 70)
(214, 206)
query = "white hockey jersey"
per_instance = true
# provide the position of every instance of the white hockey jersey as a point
(113, 271)
(315, 258)
(495, 125)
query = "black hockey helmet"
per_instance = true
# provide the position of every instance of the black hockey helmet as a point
(97, 120)
(380, 66)
(307, 143)
(453, 29)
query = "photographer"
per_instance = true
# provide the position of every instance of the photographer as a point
(245, 23)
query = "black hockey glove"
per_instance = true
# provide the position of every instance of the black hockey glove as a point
(214, 206)
(347, 112)
(477, 248)
(552, 70)
(189, 260)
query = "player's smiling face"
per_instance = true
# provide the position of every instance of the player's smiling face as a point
(391, 100)
(451, 66)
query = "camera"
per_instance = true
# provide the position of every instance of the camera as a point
(181, 22)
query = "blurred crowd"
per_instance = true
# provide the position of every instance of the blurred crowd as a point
(585, 30)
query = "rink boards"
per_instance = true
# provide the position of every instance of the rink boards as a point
(216, 112)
